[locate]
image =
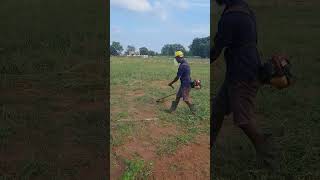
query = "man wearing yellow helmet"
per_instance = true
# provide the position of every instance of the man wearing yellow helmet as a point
(185, 87)
(237, 34)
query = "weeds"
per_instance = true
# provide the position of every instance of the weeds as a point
(169, 145)
(137, 169)
(137, 84)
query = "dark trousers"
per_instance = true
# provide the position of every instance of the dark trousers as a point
(237, 98)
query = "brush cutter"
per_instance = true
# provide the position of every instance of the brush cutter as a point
(196, 84)
(277, 72)
(161, 99)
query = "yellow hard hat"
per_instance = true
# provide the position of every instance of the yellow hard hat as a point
(178, 54)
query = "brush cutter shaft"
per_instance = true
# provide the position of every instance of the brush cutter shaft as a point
(166, 96)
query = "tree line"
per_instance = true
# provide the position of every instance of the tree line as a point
(199, 47)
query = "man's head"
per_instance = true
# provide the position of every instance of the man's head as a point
(226, 2)
(220, 2)
(179, 56)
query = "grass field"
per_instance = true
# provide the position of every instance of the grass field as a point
(146, 141)
(52, 86)
(292, 114)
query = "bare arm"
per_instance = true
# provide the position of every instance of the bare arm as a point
(174, 80)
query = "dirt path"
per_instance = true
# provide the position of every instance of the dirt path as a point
(190, 161)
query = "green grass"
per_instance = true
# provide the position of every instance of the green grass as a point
(136, 73)
(50, 73)
(292, 28)
(169, 145)
(138, 83)
(121, 132)
(137, 169)
(32, 169)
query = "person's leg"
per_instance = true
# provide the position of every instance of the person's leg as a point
(242, 96)
(191, 106)
(187, 99)
(178, 99)
(265, 150)
(174, 104)
(256, 137)
(220, 108)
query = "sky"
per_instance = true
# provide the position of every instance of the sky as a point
(154, 23)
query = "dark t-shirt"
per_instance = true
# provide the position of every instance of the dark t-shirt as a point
(184, 74)
(237, 33)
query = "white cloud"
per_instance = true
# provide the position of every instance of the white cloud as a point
(180, 4)
(162, 8)
(159, 8)
(133, 5)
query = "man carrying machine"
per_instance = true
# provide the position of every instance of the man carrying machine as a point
(185, 87)
(237, 33)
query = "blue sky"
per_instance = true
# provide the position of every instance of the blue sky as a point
(154, 23)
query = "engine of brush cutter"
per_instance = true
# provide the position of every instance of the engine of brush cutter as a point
(196, 84)
(276, 72)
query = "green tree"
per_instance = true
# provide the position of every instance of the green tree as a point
(143, 51)
(188, 53)
(200, 47)
(130, 49)
(151, 53)
(169, 49)
(115, 48)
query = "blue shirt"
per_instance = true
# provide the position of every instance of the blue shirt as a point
(237, 33)
(184, 73)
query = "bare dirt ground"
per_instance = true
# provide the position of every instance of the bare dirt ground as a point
(190, 161)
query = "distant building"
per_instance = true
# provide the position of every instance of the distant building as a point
(133, 53)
